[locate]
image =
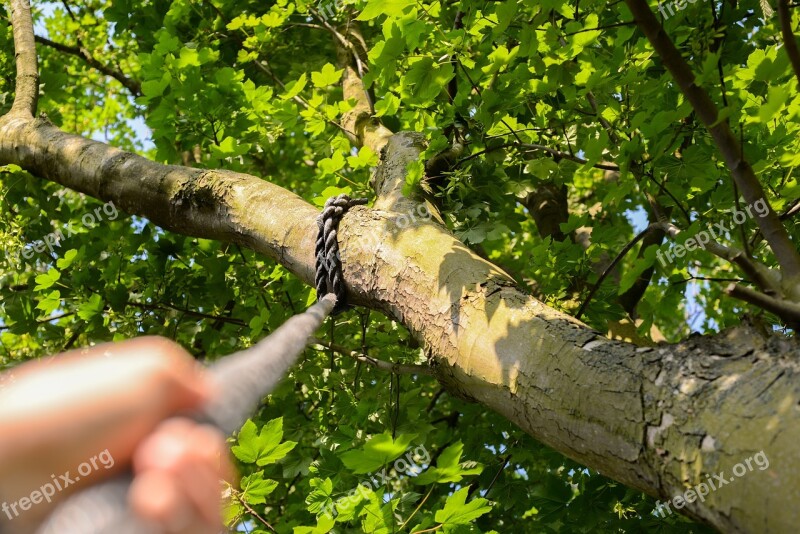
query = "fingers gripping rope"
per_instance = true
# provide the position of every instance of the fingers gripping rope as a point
(329, 276)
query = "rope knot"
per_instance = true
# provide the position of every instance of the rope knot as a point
(329, 276)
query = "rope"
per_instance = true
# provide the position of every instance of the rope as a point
(329, 276)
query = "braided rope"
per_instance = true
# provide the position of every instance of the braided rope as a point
(329, 276)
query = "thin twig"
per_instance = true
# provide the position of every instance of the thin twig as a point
(613, 264)
(250, 509)
(81, 52)
(732, 255)
(190, 313)
(530, 147)
(692, 278)
(389, 367)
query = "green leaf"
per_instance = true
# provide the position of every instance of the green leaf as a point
(377, 452)
(448, 468)
(91, 308)
(50, 303)
(256, 488)
(44, 281)
(392, 8)
(327, 76)
(66, 261)
(319, 500)
(229, 148)
(262, 448)
(295, 88)
(188, 57)
(333, 164)
(388, 105)
(414, 174)
(457, 512)
(325, 525)
(365, 158)
(425, 80)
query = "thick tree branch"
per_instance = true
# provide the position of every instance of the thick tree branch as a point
(770, 225)
(368, 129)
(27, 88)
(133, 86)
(789, 40)
(610, 405)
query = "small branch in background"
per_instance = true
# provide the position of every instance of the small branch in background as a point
(343, 41)
(198, 315)
(613, 264)
(249, 508)
(734, 256)
(389, 367)
(530, 147)
(363, 128)
(692, 278)
(81, 52)
(435, 399)
(788, 311)
(792, 210)
(631, 298)
(789, 40)
(480, 93)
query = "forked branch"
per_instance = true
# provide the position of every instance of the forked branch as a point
(747, 182)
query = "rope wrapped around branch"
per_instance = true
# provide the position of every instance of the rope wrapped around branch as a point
(329, 276)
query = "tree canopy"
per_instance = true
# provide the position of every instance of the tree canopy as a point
(627, 166)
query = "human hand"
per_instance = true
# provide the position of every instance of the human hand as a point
(58, 413)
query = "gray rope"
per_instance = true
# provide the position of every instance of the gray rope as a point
(329, 277)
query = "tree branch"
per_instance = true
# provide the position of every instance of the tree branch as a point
(789, 40)
(532, 147)
(733, 255)
(27, 88)
(774, 232)
(368, 130)
(613, 264)
(81, 52)
(788, 311)
(389, 367)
